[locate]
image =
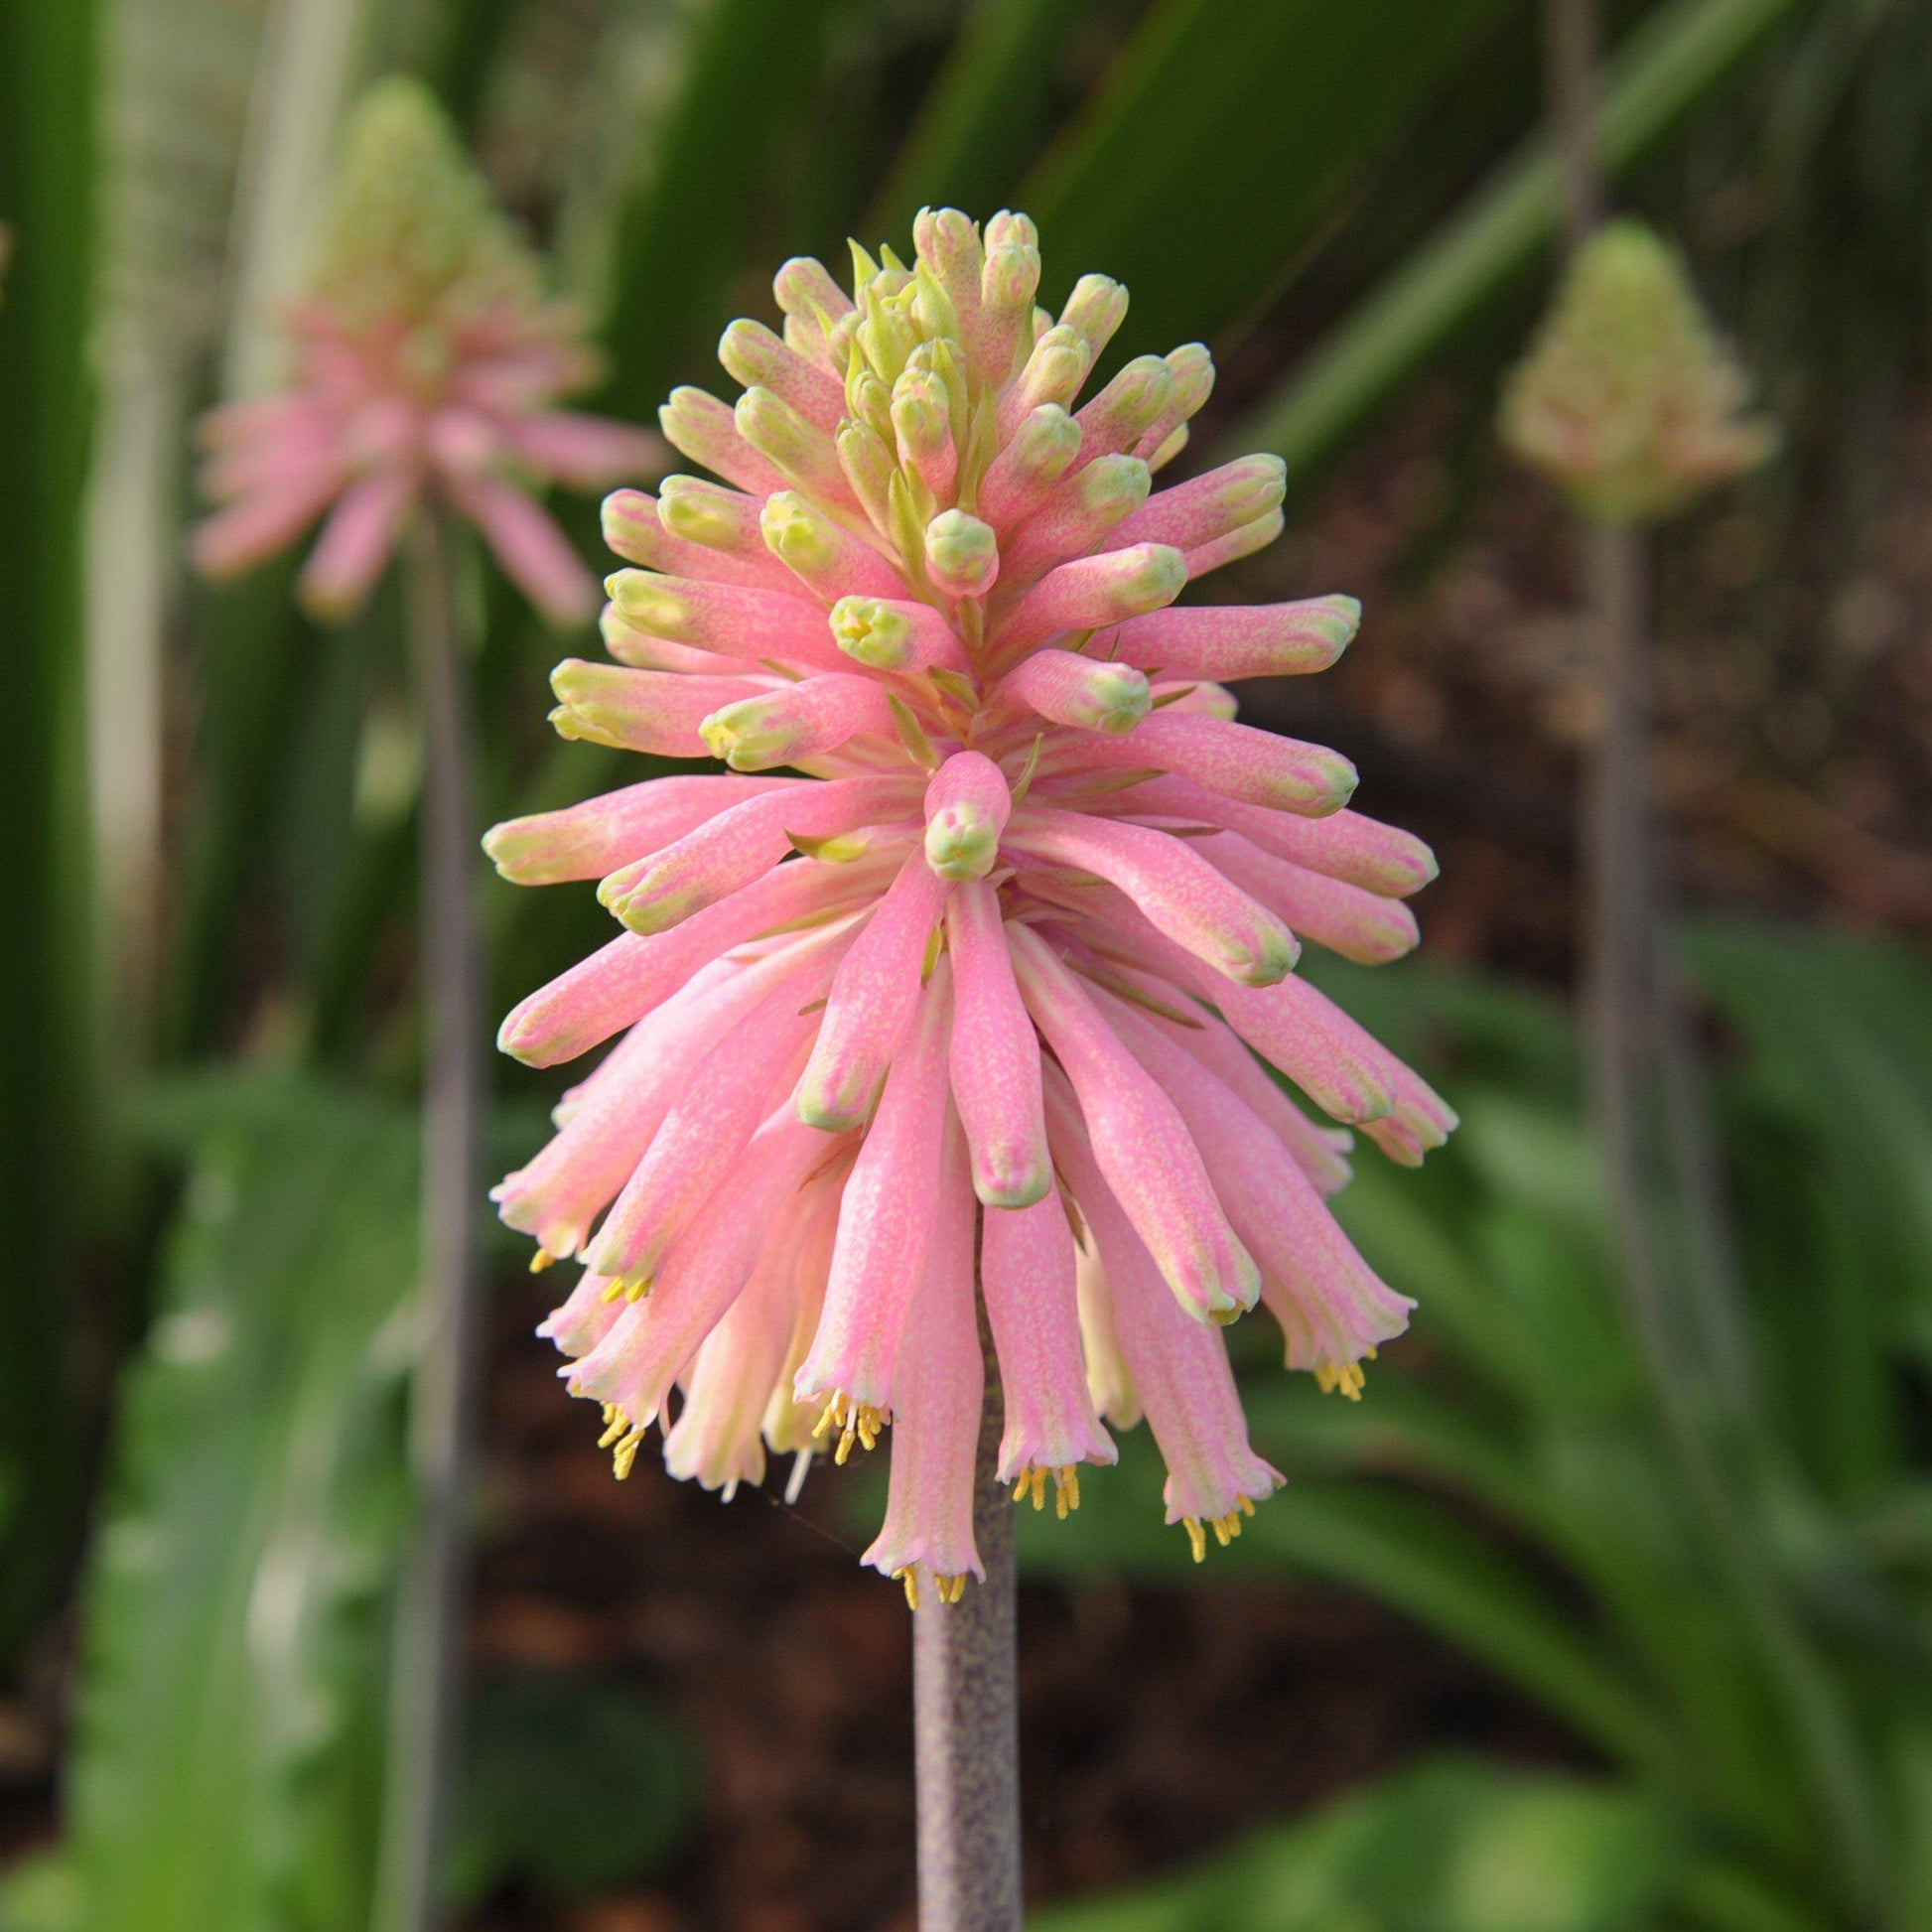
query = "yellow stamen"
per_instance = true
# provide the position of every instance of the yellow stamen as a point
(612, 1291)
(1066, 1490)
(615, 1424)
(910, 1578)
(1196, 1537)
(1343, 1378)
(541, 1260)
(952, 1588)
(626, 1453)
(1247, 1507)
(637, 1289)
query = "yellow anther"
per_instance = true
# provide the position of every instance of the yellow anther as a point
(613, 1290)
(541, 1260)
(1247, 1507)
(1222, 1534)
(828, 1417)
(626, 1453)
(952, 1588)
(1196, 1537)
(615, 1424)
(1345, 1378)
(1066, 1490)
(910, 1578)
(637, 1289)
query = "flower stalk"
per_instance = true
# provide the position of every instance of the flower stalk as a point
(424, 1699)
(966, 1714)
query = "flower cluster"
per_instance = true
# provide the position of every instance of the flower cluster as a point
(976, 997)
(427, 359)
(1627, 398)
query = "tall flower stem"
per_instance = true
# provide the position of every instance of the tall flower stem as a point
(966, 1718)
(1678, 1269)
(423, 1699)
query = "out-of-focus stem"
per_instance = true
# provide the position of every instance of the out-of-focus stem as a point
(966, 1720)
(1678, 1272)
(426, 1662)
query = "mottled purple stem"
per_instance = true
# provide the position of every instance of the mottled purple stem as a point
(966, 1718)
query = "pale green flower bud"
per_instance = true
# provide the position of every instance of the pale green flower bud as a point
(1627, 398)
(962, 554)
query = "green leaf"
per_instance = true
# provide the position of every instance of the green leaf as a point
(49, 1151)
(224, 1772)
(983, 113)
(748, 68)
(1225, 140)
(1666, 68)
(573, 1784)
(1448, 1845)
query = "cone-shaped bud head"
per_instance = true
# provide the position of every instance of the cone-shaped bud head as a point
(966, 809)
(873, 631)
(412, 233)
(1045, 444)
(962, 555)
(1111, 698)
(1628, 399)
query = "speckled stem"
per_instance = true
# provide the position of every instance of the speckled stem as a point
(426, 1657)
(966, 1720)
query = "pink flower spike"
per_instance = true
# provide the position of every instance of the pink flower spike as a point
(884, 1223)
(1178, 1369)
(1207, 507)
(1332, 1307)
(830, 562)
(587, 840)
(640, 710)
(1140, 1142)
(797, 721)
(995, 1057)
(1092, 592)
(355, 543)
(1228, 640)
(967, 806)
(1177, 890)
(706, 1131)
(742, 844)
(872, 1001)
(1072, 690)
(624, 980)
(637, 1365)
(1026, 1271)
(733, 619)
(585, 451)
(529, 546)
(993, 971)
(716, 1440)
(426, 358)
(694, 528)
(1342, 844)
(895, 634)
(585, 1317)
(939, 1390)
(1255, 766)
(1356, 925)
(706, 430)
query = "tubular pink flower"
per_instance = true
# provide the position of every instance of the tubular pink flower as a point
(426, 357)
(996, 975)
(1026, 1271)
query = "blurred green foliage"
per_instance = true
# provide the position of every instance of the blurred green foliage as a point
(1758, 1696)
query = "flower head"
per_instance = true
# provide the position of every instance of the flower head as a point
(1627, 398)
(975, 987)
(427, 355)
